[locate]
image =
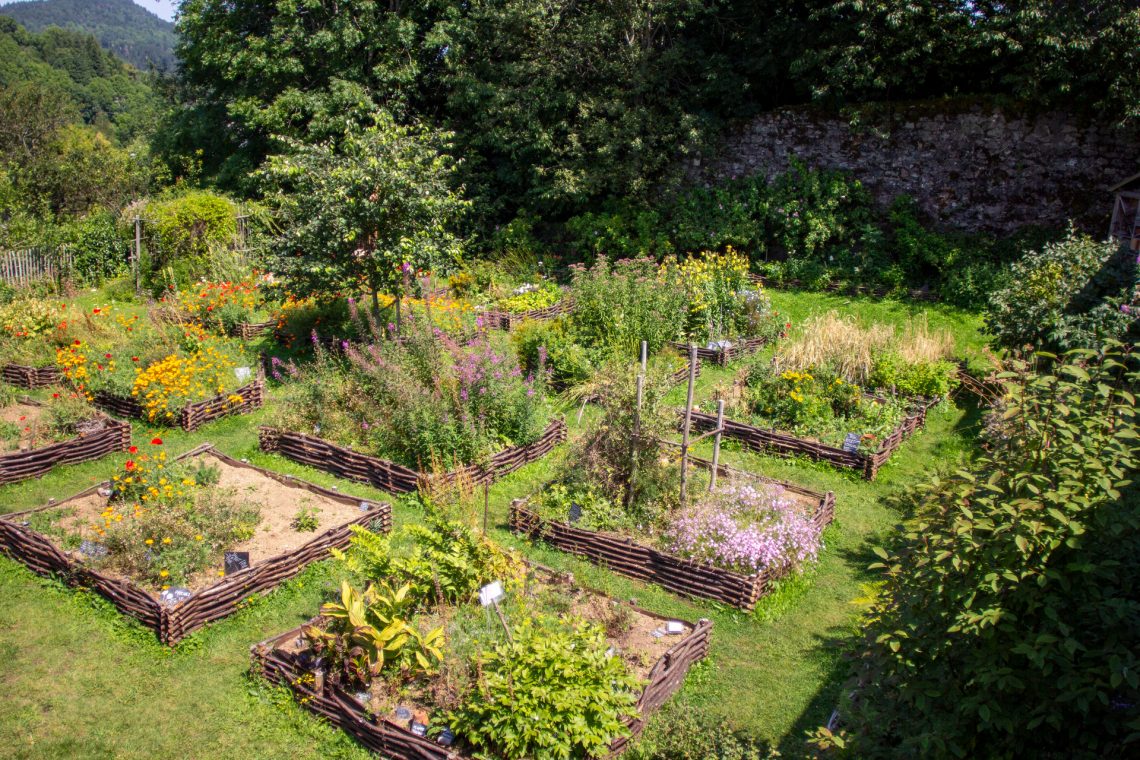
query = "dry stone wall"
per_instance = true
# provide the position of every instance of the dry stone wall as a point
(972, 167)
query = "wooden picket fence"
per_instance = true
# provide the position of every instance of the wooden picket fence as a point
(24, 267)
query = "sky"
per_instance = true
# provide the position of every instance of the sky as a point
(163, 8)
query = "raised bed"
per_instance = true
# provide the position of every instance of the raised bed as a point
(96, 439)
(248, 330)
(174, 622)
(724, 354)
(788, 445)
(31, 377)
(191, 416)
(396, 478)
(681, 576)
(274, 661)
(495, 319)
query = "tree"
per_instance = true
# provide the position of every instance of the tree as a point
(1008, 623)
(361, 212)
(30, 116)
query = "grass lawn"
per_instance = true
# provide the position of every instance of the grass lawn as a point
(81, 680)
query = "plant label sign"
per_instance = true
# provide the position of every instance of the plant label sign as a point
(575, 512)
(242, 373)
(236, 562)
(851, 442)
(490, 594)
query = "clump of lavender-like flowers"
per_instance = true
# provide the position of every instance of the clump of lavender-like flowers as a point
(746, 528)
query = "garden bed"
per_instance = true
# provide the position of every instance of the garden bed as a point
(95, 439)
(248, 330)
(31, 377)
(396, 478)
(279, 660)
(208, 601)
(644, 563)
(192, 416)
(788, 445)
(496, 319)
(725, 351)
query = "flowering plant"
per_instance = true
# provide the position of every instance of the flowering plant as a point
(723, 303)
(426, 400)
(746, 528)
(225, 305)
(167, 522)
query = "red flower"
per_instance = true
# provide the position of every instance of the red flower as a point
(55, 395)
(134, 358)
(133, 449)
(130, 464)
(95, 311)
(106, 356)
(22, 418)
(100, 366)
(156, 441)
(78, 342)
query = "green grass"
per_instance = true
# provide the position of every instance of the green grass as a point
(81, 680)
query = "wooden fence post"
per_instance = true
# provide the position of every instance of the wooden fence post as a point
(137, 258)
(629, 486)
(688, 423)
(716, 443)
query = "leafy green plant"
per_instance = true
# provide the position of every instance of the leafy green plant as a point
(362, 636)
(306, 520)
(1075, 292)
(1006, 620)
(539, 297)
(553, 693)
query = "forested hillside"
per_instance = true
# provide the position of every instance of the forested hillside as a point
(130, 32)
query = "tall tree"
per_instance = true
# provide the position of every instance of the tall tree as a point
(362, 212)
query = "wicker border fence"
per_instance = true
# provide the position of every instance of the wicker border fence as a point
(173, 623)
(496, 319)
(681, 576)
(399, 743)
(396, 478)
(787, 445)
(725, 354)
(192, 416)
(31, 377)
(250, 330)
(21, 465)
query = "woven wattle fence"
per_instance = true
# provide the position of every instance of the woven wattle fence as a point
(724, 354)
(787, 445)
(396, 478)
(191, 416)
(31, 377)
(644, 563)
(495, 319)
(106, 436)
(173, 623)
(399, 743)
(248, 330)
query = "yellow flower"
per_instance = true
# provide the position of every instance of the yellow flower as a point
(149, 541)
(166, 540)
(163, 573)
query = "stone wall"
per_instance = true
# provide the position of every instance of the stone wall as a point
(969, 167)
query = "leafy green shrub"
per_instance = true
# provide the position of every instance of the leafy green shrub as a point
(683, 732)
(550, 344)
(100, 249)
(928, 379)
(1006, 625)
(189, 237)
(598, 511)
(622, 231)
(617, 305)
(1067, 294)
(536, 297)
(553, 693)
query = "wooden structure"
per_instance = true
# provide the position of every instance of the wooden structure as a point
(94, 439)
(396, 478)
(175, 622)
(644, 563)
(31, 377)
(497, 319)
(1125, 225)
(279, 663)
(192, 416)
(24, 267)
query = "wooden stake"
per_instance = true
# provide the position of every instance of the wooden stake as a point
(716, 443)
(688, 424)
(644, 356)
(629, 486)
(486, 503)
(503, 620)
(138, 254)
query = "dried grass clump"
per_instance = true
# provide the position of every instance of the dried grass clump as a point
(848, 348)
